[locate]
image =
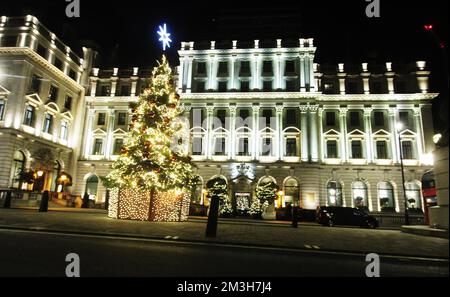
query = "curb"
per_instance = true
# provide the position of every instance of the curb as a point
(223, 244)
(426, 231)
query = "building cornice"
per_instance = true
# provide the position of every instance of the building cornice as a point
(378, 97)
(19, 51)
(248, 51)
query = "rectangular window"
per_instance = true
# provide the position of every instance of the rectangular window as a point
(291, 147)
(48, 123)
(58, 63)
(245, 68)
(352, 88)
(200, 86)
(201, 68)
(332, 149)
(267, 67)
(330, 117)
(42, 51)
(267, 115)
(290, 67)
(291, 117)
(243, 148)
(267, 147)
(2, 108)
(9, 41)
(379, 118)
(291, 86)
(245, 86)
(29, 116)
(382, 150)
(356, 149)
(223, 86)
(72, 74)
(354, 119)
(35, 86)
(53, 94)
(105, 90)
(328, 88)
(197, 146)
(122, 119)
(220, 146)
(407, 150)
(98, 147)
(125, 90)
(404, 118)
(118, 144)
(101, 119)
(68, 103)
(64, 130)
(267, 86)
(223, 68)
(221, 115)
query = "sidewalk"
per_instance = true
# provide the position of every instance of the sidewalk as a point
(307, 236)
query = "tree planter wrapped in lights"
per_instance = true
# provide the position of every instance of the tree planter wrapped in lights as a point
(152, 178)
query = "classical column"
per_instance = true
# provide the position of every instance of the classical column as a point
(110, 133)
(232, 139)
(94, 81)
(368, 132)
(365, 77)
(134, 80)
(256, 141)
(390, 77)
(189, 76)
(419, 131)
(322, 144)
(314, 150)
(304, 132)
(394, 136)
(114, 80)
(209, 120)
(302, 74)
(343, 131)
(341, 75)
(88, 136)
(279, 118)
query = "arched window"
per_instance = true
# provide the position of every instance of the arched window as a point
(92, 185)
(386, 196)
(413, 195)
(359, 195)
(291, 192)
(18, 166)
(334, 193)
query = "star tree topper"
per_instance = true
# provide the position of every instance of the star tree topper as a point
(164, 36)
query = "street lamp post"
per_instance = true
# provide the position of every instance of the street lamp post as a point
(399, 126)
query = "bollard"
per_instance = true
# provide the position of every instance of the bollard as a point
(211, 227)
(85, 203)
(295, 217)
(44, 202)
(7, 203)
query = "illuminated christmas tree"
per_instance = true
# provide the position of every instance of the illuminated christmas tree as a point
(153, 174)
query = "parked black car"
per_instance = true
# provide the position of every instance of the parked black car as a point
(333, 215)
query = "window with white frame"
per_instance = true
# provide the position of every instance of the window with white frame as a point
(334, 193)
(243, 136)
(64, 130)
(357, 150)
(332, 149)
(98, 147)
(413, 197)
(407, 150)
(118, 145)
(382, 149)
(220, 145)
(29, 116)
(386, 196)
(359, 195)
(48, 123)
(2, 108)
(197, 141)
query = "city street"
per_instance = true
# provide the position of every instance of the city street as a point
(24, 253)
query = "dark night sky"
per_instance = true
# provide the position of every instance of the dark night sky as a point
(341, 30)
